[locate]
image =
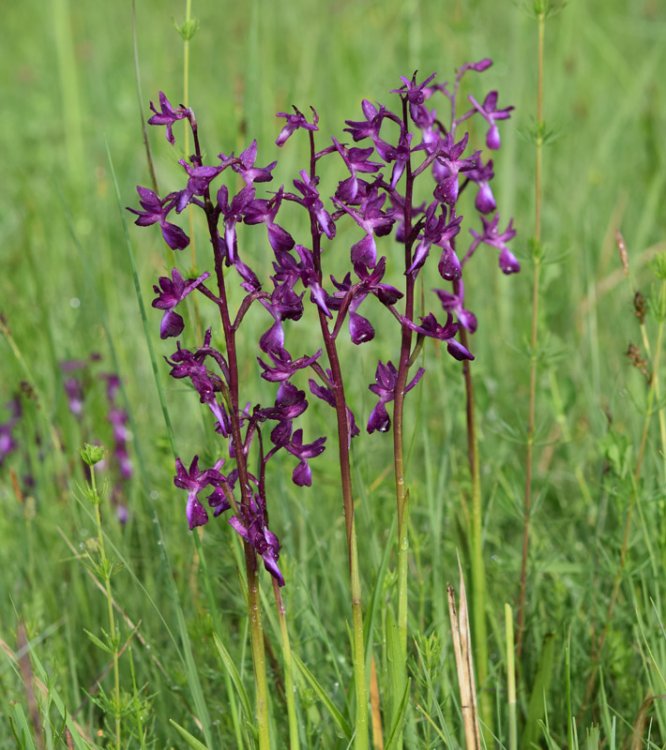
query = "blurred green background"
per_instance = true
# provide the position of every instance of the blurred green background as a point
(71, 112)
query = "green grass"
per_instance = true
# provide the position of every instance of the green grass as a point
(71, 127)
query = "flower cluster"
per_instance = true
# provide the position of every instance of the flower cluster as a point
(77, 383)
(375, 192)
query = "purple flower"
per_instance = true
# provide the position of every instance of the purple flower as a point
(74, 391)
(261, 211)
(295, 122)
(485, 200)
(7, 442)
(233, 213)
(491, 236)
(488, 110)
(386, 379)
(430, 327)
(198, 183)
(172, 292)
(168, 115)
(251, 524)
(326, 394)
(448, 165)
(155, 211)
(302, 475)
(312, 202)
(194, 481)
(283, 366)
(416, 93)
(454, 303)
(244, 166)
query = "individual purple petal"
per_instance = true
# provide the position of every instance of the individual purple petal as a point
(508, 262)
(449, 265)
(379, 420)
(302, 474)
(360, 328)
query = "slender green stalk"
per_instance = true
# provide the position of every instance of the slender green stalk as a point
(534, 329)
(187, 31)
(511, 677)
(294, 743)
(104, 568)
(402, 494)
(479, 630)
(361, 738)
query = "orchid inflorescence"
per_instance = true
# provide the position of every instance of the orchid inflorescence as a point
(377, 194)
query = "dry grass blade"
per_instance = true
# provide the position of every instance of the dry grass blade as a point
(641, 720)
(462, 641)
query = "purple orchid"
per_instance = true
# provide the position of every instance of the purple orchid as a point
(168, 115)
(195, 481)
(170, 293)
(295, 122)
(488, 110)
(155, 211)
(494, 238)
(386, 379)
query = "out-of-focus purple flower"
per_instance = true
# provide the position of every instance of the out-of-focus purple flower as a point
(478, 67)
(386, 379)
(168, 115)
(488, 110)
(74, 391)
(195, 481)
(155, 211)
(430, 327)
(252, 526)
(171, 292)
(8, 443)
(295, 122)
(491, 236)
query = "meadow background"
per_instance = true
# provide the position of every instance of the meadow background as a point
(72, 127)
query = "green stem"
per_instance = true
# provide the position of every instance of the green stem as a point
(511, 677)
(290, 690)
(534, 332)
(257, 642)
(479, 630)
(361, 738)
(105, 569)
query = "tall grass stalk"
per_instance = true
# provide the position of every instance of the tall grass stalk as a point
(104, 570)
(289, 687)
(540, 8)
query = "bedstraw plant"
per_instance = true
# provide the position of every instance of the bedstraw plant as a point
(402, 191)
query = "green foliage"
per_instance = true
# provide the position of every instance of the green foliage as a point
(71, 136)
